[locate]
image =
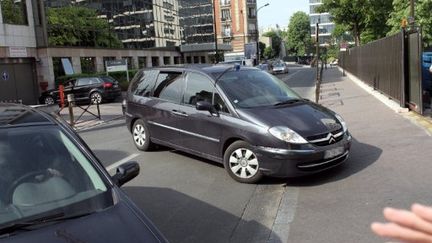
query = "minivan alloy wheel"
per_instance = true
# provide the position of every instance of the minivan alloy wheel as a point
(243, 163)
(139, 135)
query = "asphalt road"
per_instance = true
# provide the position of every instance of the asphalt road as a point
(194, 200)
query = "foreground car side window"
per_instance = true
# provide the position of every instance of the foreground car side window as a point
(45, 171)
(169, 86)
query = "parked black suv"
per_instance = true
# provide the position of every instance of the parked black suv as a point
(94, 89)
(242, 117)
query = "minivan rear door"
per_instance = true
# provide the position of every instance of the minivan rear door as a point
(165, 110)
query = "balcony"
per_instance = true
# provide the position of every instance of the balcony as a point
(225, 3)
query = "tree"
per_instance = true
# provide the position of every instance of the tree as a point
(299, 34)
(262, 47)
(269, 52)
(79, 26)
(363, 18)
(276, 42)
(423, 17)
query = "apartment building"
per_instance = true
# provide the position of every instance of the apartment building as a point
(236, 23)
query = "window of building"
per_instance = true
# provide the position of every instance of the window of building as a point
(129, 62)
(225, 14)
(203, 59)
(142, 62)
(188, 59)
(155, 61)
(225, 2)
(177, 60)
(251, 12)
(226, 31)
(169, 86)
(167, 60)
(14, 12)
(196, 59)
(88, 64)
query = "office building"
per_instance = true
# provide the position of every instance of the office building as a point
(326, 26)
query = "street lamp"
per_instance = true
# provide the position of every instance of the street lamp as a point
(257, 32)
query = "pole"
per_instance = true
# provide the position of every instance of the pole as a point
(412, 12)
(215, 33)
(257, 32)
(317, 49)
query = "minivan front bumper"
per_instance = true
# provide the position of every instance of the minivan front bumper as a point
(292, 163)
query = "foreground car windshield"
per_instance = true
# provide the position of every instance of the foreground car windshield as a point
(249, 89)
(44, 172)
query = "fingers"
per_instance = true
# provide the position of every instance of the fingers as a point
(397, 232)
(423, 212)
(408, 219)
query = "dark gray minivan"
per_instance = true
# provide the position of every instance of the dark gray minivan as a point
(242, 117)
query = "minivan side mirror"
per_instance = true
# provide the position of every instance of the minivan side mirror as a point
(126, 172)
(206, 106)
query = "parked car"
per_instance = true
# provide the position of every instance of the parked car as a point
(426, 73)
(266, 67)
(279, 67)
(54, 189)
(94, 89)
(246, 119)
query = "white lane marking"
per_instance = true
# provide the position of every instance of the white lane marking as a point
(120, 162)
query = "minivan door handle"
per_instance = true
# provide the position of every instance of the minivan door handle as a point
(179, 113)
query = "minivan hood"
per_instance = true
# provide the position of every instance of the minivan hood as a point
(305, 118)
(115, 224)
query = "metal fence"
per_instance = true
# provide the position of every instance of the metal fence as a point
(380, 64)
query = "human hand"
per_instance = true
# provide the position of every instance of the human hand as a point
(413, 226)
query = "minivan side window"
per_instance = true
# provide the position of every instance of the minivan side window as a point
(144, 83)
(169, 86)
(198, 88)
(201, 88)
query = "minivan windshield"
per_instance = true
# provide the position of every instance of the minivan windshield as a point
(255, 88)
(45, 173)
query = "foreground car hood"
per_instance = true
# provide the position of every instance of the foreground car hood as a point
(116, 224)
(306, 118)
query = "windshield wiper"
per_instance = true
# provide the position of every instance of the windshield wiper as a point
(288, 102)
(7, 230)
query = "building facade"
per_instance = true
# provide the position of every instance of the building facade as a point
(236, 23)
(326, 26)
(137, 23)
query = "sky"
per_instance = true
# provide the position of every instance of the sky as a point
(279, 11)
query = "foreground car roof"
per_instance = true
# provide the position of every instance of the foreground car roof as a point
(208, 69)
(20, 115)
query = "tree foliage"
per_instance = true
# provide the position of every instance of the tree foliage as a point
(299, 34)
(13, 13)
(363, 18)
(423, 17)
(79, 26)
(276, 43)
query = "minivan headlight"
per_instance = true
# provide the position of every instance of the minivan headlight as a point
(287, 135)
(342, 122)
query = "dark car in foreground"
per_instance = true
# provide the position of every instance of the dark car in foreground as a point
(53, 188)
(243, 117)
(93, 89)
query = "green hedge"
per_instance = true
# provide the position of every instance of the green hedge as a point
(119, 76)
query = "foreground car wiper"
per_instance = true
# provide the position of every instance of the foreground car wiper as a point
(7, 230)
(288, 102)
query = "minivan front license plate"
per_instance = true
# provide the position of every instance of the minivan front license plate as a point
(331, 153)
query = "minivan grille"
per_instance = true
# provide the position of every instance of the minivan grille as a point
(326, 139)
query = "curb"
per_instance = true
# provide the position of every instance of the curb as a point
(417, 119)
(93, 124)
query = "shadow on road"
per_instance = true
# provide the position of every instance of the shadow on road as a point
(182, 218)
(361, 156)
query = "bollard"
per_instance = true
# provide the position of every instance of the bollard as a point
(71, 101)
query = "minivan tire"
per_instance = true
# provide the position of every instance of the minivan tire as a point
(241, 163)
(141, 136)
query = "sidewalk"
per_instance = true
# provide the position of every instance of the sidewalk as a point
(389, 165)
(108, 112)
